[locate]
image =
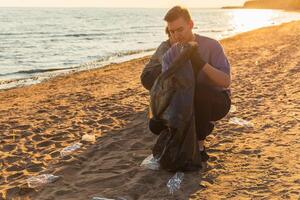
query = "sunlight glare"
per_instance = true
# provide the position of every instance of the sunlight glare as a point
(245, 20)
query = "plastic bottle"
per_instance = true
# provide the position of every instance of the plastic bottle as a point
(68, 150)
(37, 181)
(174, 183)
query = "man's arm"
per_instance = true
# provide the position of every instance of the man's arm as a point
(218, 70)
(153, 67)
(218, 77)
(150, 73)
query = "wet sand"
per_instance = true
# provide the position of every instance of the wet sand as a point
(259, 162)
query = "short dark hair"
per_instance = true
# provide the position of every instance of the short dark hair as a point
(177, 12)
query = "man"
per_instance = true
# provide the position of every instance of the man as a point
(154, 67)
(212, 72)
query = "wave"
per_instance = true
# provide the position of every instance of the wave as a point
(35, 71)
(123, 54)
(101, 59)
(145, 26)
(76, 35)
(28, 33)
(131, 52)
(84, 34)
(54, 34)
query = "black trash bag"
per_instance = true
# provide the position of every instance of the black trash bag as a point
(172, 102)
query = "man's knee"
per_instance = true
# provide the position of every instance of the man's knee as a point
(211, 104)
(204, 130)
(204, 92)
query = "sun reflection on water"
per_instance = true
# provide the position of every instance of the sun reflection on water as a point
(244, 20)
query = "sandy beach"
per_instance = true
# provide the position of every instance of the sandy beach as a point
(259, 161)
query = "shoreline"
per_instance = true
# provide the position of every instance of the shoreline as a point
(39, 78)
(23, 82)
(38, 121)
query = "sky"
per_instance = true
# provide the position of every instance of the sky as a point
(120, 3)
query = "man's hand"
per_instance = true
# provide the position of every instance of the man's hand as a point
(196, 59)
(189, 48)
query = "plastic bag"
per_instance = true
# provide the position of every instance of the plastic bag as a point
(101, 198)
(151, 163)
(174, 183)
(172, 101)
(232, 109)
(240, 122)
(37, 181)
(68, 150)
(89, 138)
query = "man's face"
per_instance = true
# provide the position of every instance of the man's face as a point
(181, 30)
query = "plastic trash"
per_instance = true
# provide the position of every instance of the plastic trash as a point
(89, 138)
(101, 198)
(174, 183)
(232, 109)
(240, 122)
(151, 163)
(68, 150)
(37, 181)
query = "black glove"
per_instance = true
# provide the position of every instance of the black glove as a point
(188, 49)
(197, 62)
(185, 53)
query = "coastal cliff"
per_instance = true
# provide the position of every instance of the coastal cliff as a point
(273, 4)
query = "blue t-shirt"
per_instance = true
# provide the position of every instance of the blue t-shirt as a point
(211, 52)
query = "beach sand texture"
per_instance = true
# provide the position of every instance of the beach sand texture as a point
(258, 162)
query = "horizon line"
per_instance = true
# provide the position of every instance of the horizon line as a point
(106, 7)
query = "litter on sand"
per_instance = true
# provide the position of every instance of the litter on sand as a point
(89, 138)
(68, 150)
(151, 163)
(174, 182)
(232, 109)
(37, 181)
(241, 122)
(101, 198)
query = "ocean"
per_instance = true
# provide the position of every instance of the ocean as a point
(39, 43)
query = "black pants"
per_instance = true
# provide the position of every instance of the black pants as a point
(210, 105)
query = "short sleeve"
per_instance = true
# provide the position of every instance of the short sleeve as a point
(218, 58)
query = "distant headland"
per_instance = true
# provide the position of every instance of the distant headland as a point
(269, 4)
